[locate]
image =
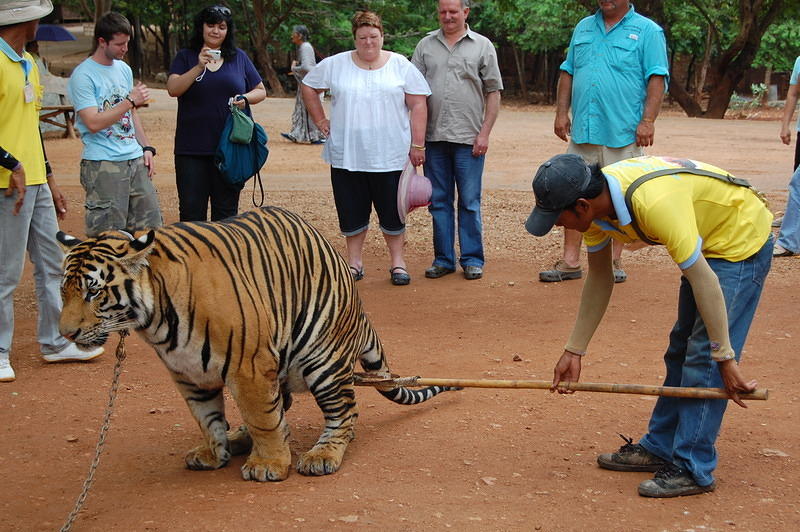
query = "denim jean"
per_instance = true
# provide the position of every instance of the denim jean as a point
(452, 167)
(33, 229)
(789, 236)
(683, 431)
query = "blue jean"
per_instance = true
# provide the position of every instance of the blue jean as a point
(33, 229)
(452, 167)
(789, 237)
(683, 431)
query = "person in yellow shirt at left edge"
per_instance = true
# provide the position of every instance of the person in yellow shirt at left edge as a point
(31, 201)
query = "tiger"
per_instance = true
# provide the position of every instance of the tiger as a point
(261, 303)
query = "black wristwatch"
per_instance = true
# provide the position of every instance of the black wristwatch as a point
(150, 149)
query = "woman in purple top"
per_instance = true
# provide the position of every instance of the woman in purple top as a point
(204, 77)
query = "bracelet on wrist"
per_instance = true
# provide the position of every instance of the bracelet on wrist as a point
(651, 120)
(573, 351)
(133, 104)
(418, 147)
(150, 149)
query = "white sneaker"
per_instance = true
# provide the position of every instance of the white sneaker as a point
(72, 353)
(6, 371)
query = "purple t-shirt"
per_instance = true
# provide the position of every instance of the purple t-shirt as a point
(203, 109)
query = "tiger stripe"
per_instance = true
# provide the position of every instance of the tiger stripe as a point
(261, 303)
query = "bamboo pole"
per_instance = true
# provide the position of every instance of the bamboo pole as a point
(381, 381)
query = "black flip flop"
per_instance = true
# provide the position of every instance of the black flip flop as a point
(357, 273)
(400, 276)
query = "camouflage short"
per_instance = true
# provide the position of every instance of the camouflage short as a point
(119, 195)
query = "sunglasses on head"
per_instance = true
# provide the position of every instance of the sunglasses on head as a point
(219, 10)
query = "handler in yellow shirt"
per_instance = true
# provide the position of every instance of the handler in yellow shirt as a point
(717, 230)
(29, 197)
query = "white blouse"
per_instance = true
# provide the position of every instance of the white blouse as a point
(370, 125)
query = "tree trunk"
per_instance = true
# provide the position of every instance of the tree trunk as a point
(684, 99)
(703, 71)
(101, 7)
(727, 69)
(261, 56)
(519, 60)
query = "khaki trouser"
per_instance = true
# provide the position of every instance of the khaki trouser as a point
(603, 155)
(119, 195)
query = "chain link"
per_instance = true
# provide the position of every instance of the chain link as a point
(112, 395)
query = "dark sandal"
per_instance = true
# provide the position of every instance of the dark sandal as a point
(400, 276)
(357, 273)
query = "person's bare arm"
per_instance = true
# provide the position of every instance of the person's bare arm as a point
(177, 84)
(481, 144)
(646, 130)
(562, 126)
(315, 109)
(257, 95)
(141, 138)
(788, 112)
(97, 121)
(418, 107)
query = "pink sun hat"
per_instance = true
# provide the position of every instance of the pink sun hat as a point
(413, 191)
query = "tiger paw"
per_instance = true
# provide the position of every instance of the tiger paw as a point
(263, 470)
(203, 459)
(319, 462)
(239, 441)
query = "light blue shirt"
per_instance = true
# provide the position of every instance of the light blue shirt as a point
(14, 56)
(610, 72)
(96, 85)
(794, 80)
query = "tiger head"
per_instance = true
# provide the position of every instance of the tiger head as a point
(102, 289)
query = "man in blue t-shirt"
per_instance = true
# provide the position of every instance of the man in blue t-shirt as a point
(614, 78)
(788, 243)
(117, 162)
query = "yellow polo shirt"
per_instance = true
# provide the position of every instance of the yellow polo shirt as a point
(19, 125)
(689, 214)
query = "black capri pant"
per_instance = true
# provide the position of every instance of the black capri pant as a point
(356, 192)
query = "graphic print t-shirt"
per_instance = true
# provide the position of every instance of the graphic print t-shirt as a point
(96, 85)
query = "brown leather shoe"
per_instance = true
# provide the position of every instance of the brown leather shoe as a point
(630, 457)
(561, 272)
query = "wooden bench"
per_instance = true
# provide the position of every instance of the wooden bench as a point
(51, 111)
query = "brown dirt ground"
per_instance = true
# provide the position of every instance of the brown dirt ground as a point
(472, 460)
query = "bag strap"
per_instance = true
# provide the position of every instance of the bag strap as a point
(671, 171)
(261, 186)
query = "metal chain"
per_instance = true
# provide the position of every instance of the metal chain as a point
(112, 395)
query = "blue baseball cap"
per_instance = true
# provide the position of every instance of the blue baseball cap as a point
(558, 184)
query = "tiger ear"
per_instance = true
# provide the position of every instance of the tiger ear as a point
(67, 241)
(144, 241)
(140, 248)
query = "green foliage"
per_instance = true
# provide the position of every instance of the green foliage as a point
(532, 25)
(780, 46)
(744, 107)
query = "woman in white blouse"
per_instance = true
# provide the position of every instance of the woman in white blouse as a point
(304, 131)
(378, 118)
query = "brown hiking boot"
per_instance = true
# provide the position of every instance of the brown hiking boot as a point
(630, 457)
(672, 481)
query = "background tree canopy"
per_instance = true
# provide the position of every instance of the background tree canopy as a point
(712, 43)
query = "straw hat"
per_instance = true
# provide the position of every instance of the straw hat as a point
(412, 192)
(16, 11)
